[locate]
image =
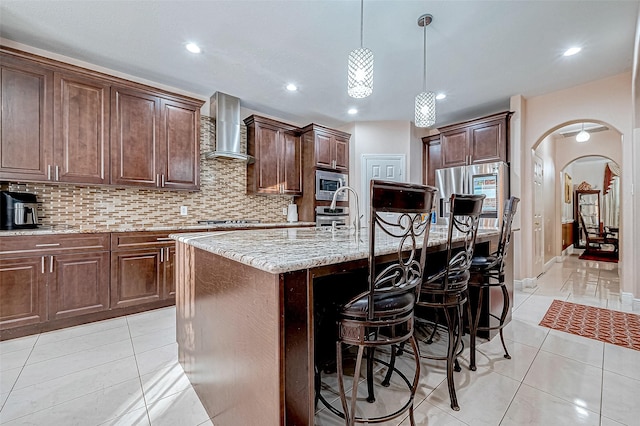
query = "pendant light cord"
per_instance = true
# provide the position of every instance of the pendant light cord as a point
(361, 21)
(424, 77)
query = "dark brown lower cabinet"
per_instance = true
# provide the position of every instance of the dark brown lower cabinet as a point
(141, 268)
(78, 284)
(135, 277)
(23, 292)
(48, 278)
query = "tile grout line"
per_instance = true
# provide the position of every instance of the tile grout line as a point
(144, 397)
(20, 373)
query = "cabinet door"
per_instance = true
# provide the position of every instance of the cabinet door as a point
(135, 277)
(291, 163)
(180, 147)
(169, 278)
(26, 120)
(454, 148)
(23, 298)
(267, 150)
(134, 139)
(324, 150)
(78, 284)
(81, 130)
(432, 153)
(341, 153)
(487, 142)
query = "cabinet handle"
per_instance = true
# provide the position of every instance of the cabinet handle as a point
(42, 264)
(162, 177)
(57, 173)
(158, 179)
(51, 264)
(161, 255)
(163, 239)
(49, 172)
(48, 245)
(168, 254)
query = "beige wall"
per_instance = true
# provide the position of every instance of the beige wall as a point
(605, 101)
(377, 137)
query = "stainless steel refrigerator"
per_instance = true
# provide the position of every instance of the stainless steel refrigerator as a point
(490, 179)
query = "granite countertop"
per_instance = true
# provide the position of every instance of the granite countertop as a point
(43, 230)
(284, 250)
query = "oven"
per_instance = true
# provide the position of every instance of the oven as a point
(327, 183)
(327, 217)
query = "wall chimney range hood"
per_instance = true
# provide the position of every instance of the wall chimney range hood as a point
(226, 111)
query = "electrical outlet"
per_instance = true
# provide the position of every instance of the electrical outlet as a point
(183, 210)
(284, 211)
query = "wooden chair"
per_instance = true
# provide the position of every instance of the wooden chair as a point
(596, 239)
(383, 315)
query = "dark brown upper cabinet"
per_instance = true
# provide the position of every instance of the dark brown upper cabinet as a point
(62, 123)
(326, 148)
(26, 137)
(483, 140)
(81, 129)
(275, 146)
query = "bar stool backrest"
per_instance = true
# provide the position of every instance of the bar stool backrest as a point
(510, 209)
(414, 207)
(464, 218)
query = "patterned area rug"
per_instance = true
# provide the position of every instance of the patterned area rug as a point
(615, 327)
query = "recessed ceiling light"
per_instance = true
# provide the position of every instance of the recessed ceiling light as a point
(572, 51)
(193, 48)
(440, 96)
(292, 87)
(352, 111)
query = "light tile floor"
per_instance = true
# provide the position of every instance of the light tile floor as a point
(124, 371)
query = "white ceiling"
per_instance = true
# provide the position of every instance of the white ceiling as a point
(479, 52)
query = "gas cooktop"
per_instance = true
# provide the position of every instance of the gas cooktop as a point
(227, 221)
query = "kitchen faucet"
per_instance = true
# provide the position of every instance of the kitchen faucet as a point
(356, 222)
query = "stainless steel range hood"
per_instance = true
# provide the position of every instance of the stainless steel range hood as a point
(226, 111)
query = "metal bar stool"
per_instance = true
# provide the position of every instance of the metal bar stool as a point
(491, 269)
(384, 313)
(447, 289)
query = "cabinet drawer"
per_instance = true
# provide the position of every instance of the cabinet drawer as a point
(20, 245)
(140, 240)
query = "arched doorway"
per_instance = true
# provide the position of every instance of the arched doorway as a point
(558, 148)
(591, 199)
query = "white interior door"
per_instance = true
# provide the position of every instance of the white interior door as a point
(538, 217)
(383, 167)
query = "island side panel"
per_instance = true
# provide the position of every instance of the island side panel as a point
(298, 348)
(229, 328)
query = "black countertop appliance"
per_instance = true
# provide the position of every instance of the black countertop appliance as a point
(18, 210)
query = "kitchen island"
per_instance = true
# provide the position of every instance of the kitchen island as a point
(245, 309)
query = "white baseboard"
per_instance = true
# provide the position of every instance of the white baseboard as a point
(524, 283)
(550, 263)
(628, 300)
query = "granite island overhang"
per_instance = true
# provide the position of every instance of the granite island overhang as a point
(244, 308)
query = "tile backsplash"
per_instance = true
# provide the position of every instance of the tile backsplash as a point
(222, 195)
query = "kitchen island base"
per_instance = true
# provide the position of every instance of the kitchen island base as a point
(245, 323)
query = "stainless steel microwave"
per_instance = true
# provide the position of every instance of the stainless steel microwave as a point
(327, 183)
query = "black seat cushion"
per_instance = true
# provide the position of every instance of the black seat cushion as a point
(481, 263)
(384, 305)
(456, 279)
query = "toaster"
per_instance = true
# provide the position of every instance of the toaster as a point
(18, 210)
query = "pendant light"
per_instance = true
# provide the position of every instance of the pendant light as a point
(583, 136)
(360, 70)
(426, 100)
